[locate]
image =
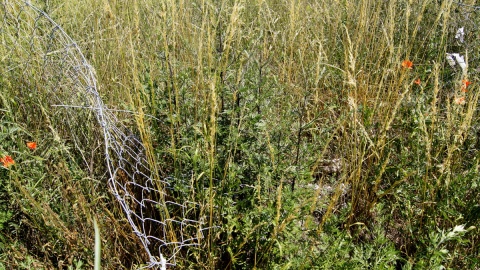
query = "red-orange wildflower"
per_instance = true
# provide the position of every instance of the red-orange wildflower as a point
(32, 145)
(460, 100)
(407, 64)
(465, 84)
(417, 81)
(7, 161)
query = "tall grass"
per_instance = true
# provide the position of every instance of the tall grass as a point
(293, 123)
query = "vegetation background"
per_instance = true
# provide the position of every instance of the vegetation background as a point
(323, 148)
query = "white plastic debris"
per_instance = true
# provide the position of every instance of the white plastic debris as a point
(460, 61)
(453, 58)
(460, 34)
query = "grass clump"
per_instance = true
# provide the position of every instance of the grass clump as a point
(316, 134)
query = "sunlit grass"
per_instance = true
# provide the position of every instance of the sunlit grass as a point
(320, 134)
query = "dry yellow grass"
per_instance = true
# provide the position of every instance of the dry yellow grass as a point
(305, 81)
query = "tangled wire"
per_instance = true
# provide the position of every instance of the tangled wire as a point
(33, 45)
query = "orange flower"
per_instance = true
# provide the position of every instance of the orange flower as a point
(7, 161)
(32, 145)
(407, 64)
(460, 100)
(465, 84)
(417, 81)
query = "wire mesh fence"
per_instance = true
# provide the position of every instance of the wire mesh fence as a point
(37, 53)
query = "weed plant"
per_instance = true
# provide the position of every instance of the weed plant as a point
(318, 134)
